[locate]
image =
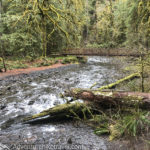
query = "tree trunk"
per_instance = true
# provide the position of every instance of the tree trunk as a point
(111, 99)
(1, 43)
(142, 72)
(4, 64)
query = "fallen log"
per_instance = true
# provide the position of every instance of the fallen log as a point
(59, 113)
(113, 85)
(111, 99)
(94, 100)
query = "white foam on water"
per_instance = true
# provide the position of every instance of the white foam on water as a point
(48, 129)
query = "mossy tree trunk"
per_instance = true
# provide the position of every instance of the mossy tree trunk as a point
(1, 42)
(142, 72)
(125, 79)
(111, 99)
(59, 113)
(4, 64)
(44, 38)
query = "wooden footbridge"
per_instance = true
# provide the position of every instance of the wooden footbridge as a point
(100, 52)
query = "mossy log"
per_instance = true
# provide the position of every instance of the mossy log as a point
(93, 100)
(113, 85)
(111, 99)
(58, 113)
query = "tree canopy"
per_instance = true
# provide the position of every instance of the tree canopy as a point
(41, 24)
(120, 23)
(40, 27)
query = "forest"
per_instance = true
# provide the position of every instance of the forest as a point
(39, 28)
(74, 74)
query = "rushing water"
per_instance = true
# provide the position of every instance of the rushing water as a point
(30, 94)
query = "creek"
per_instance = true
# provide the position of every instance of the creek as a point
(28, 94)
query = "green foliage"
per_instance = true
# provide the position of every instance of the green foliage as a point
(74, 59)
(132, 124)
(121, 23)
(30, 61)
(136, 123)
(38, 28)
(103, 124)
(18, 65)
(124, 123)
(70, 59)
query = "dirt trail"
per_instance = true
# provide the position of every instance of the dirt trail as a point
(28, 70)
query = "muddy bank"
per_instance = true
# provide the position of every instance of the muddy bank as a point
(15, 72)
(25, 74)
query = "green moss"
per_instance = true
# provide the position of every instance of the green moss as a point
(113, 85)
(122, 123)
(98, 92)
(17, 65)
(115, 131)
(77, 90)
(69, 60)
(28, 62)
(134, 68)
(65, 109)
(74, 59)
